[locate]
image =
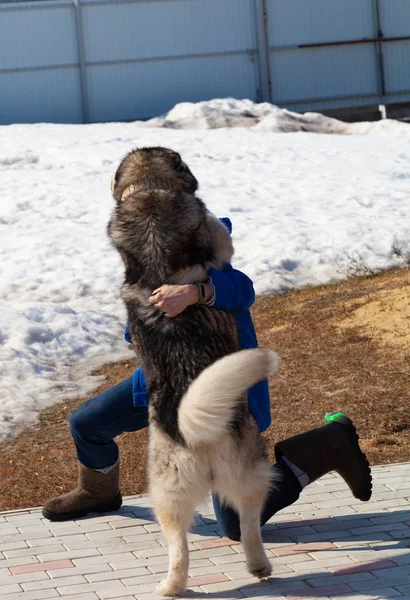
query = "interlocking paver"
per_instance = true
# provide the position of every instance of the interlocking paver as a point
(41, 566)
(323, 565)
(135, 547)
(401, 560)
(365, 539)
(125, 573)
(363, 567)
(83, 544)
(33, 551)
(302, 548)
(37, 595)
(9, 589)
(404, 589)
(208, 569)
(88, 596)
(97, 559)
(351, 579)
(368, 585)
(21, 560)
(120, 565)
(71, 554)
(331, 590)
(387, 527)
(6, 579)
(304, 523)
(142, 580)
(52, 583)
(84, 570)
(12, 546)
(131, 591)
(394, 572)
(230, 585)
(99, 587)
(326, 545)
(293, 559)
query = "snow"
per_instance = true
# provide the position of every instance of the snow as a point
(229, 112)
(301, 205)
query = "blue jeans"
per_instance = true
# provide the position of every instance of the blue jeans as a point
(96, 423)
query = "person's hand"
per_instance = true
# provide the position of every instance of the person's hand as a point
(174, 299)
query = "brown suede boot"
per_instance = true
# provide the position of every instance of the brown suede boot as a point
(95, 492)
(333, 447)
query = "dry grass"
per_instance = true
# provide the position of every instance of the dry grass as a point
(332, 361)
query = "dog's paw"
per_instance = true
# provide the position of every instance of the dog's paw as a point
(260, 569)
(169, 589)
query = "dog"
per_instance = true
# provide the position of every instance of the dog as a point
(201, 434)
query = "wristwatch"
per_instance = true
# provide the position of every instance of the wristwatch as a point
(201, 291)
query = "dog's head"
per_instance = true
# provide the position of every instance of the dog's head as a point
(159, 226)
(149, 164)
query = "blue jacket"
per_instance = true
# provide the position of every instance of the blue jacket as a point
(234, 292)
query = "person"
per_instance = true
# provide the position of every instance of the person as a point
(300, 460)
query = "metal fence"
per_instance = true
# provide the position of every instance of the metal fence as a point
(79, 61)
(337, 53)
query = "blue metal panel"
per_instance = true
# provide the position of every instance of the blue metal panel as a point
(37, 36)
(312, 75)
(116, 31)
(395, 17)
(395, 22)
(143, 56)
(330, 104)
(40, 96)
(140, 90)
(294, 22)
(325, 72)
(353, 101)
(397, 66)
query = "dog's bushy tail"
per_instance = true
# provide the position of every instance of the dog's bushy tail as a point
(208, 405)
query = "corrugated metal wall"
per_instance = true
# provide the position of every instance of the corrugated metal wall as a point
(102, 60)
(395, 23)
(327, 54)
(39, 74)
(320, 72)
(123, 60)
(144, 57)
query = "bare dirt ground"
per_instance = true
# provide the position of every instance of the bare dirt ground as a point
(344, 347)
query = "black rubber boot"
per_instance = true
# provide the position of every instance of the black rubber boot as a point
(333, 447)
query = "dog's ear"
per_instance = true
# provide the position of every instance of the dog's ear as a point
(187, 179)
(177, 160)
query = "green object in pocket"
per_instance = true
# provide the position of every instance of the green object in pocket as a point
(329, 417)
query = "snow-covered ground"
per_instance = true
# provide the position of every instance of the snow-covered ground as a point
(229, 112)
(300, 204)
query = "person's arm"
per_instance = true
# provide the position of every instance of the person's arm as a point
(226, 290)
(233, 289)
(174, 299)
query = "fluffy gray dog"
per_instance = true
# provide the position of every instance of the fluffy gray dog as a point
(202, 435)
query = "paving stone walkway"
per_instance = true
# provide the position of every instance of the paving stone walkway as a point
(327, 545)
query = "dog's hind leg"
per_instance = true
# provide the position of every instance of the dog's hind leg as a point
(175, 523)
(248, 499)
(249, 511)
